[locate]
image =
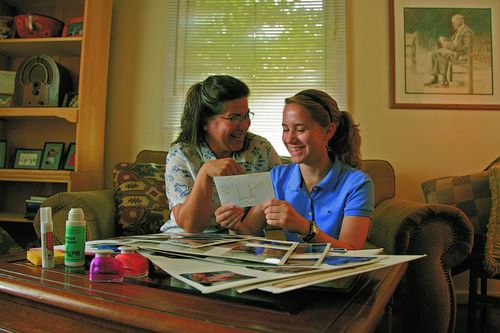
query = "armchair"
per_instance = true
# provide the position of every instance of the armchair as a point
(442, 232)
(478, 196)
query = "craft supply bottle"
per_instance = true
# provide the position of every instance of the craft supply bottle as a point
(74, 253)
(135, 265)
(47, 235)
(105, 268)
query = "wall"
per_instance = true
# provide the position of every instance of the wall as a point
(421, 144)
(135, 99)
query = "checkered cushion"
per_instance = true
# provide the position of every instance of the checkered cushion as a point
(470, 193)
(140, 198)
(492, 246)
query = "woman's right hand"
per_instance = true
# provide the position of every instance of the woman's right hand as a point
(228, 216)
(222, 167)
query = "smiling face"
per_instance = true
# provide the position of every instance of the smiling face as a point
(304, 138)
(222, 135)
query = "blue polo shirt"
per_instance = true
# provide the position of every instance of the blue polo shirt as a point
(345, 191)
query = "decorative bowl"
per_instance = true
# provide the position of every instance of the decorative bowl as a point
(37, 26)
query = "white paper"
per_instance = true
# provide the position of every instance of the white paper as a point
(245, 190)
(301, 282)
(208, 276)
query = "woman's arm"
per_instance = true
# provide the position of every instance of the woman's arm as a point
(352, 233)
(234, 218)
(193, 215)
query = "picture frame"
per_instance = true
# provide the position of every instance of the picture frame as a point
(70, 100)
(28, 158)
(69, 160)
(52, 155)
(6, 100)
(73, 27)
(422, 48)
(3, 154)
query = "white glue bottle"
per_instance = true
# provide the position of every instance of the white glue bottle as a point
(74, 249)
(47, 233)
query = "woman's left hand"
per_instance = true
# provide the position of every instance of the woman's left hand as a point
(228, 216)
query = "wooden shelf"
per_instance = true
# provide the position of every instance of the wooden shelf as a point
(38, 176)
(69, 114)
(86, 59)
(14, 217)
(54, 46)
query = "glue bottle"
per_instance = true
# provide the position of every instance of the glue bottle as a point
(47, 233)
(74, 253)
(135, 265)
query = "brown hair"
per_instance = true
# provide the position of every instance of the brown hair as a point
(204, 100)
(346, 143)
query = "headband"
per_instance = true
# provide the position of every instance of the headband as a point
(320, 102)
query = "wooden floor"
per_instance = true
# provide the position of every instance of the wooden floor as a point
(492, 323)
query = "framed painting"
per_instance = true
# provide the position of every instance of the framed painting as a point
(442, 54)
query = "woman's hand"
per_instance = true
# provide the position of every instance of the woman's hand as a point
(229, 216)
(222, 167)
(281, 214)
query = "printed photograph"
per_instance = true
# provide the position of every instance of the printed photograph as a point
(215, 278)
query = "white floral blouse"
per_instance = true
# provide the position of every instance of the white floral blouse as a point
(183, 164)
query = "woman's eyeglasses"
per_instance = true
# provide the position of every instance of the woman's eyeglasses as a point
(238, 119)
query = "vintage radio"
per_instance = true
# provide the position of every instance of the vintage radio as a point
(40, 82)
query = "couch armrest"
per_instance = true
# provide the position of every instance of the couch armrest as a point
(98, 206)
(445, 234)
(398, 224)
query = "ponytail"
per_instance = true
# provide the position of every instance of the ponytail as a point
(346, 142)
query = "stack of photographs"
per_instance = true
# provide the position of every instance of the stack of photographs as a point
(211, 262)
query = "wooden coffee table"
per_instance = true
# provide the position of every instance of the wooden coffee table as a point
(55, 300)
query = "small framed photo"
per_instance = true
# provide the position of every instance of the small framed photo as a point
(52, 155)
(5, 100)
(73, 27)
(28, 158)
(69, 161)
(70, 100)
(3, 154)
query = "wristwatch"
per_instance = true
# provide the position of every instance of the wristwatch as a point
(313, 231)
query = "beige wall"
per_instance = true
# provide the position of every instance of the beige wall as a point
(421, 144)
(134, 115)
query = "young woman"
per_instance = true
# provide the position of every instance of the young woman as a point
(322, 196)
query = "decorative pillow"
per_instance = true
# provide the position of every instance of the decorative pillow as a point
(8, 245)
(492, 246)
(139, 193)
(470, 193)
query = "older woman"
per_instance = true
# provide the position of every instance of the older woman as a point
(214, 141)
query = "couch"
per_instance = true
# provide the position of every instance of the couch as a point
(425, 296)
(477, 194)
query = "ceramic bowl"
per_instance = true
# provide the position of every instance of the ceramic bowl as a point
(37, 26)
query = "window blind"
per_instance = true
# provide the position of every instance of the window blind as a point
(276, 47)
